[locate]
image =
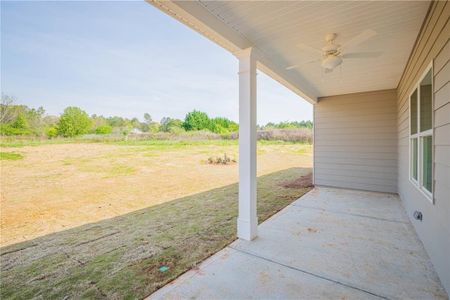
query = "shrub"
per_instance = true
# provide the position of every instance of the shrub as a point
(18, 127)
(103, 129)
(289, 124)
(6, 129)
(303, 135)
(51, 132)
(169, 124)
(153, 127)
(225, 160)
(223, 125)
(73, 122)
(217, 128)
(176, 130)
(20, 122)
(196, 120)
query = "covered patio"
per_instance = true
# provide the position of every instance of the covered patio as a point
(378, 76)
(331, 243)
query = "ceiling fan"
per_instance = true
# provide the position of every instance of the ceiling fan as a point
(332, 54)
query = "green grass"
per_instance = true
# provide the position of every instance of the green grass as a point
(10, 156)
(119, 258)
(120, 170)
(302, 150)
(7, 142)
(156, 144)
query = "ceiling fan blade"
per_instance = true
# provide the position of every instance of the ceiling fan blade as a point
(301, 64)
(309, 49)
(292, 67)
(361, 55)
(359, 39)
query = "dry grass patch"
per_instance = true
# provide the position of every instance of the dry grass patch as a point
(119, 258)
(60, 186)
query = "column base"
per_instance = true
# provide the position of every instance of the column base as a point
(246, 230)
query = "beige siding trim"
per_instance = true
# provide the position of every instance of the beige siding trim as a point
(442, 96)
(442, 116)
(442, 78)
(427, 39)
(440, 60)
(442, 135)
(432, 46)
(442, 156)
(427, 56)
(355, 143)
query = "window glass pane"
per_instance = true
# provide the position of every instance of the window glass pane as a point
(426, 102)
(413, 111)
(414, 157)
(427, 162)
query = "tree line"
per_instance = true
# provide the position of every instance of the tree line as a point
(22, 120)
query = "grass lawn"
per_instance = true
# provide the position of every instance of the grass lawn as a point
(55, 187)
(119, 258)
(10, 156)
(98, 220)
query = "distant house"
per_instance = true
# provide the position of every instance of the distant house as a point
(136, 131)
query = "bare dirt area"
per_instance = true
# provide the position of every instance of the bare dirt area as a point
(301, 182)
(62, 186)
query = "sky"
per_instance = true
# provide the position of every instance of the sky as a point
(124, 58)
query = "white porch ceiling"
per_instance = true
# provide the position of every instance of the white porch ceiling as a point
(274, 28)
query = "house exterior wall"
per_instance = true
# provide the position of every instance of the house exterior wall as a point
(432, 46)
(355, 141)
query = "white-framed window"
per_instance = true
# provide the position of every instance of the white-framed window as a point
(421, 134)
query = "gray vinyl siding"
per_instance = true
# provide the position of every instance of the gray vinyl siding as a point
(432, 45)
(355, 143)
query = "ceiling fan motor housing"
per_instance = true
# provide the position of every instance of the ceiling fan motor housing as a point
(331, 49)
(331, 61)
(329, 37)
(332, 53)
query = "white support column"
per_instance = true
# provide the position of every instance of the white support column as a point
(247, 222)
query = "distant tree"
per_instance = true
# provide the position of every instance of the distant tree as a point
(51, 132)
(171, 125)
(7, 109)
(103, 129)
(50, 121)
(287, 124)
(135, 123)
(147, 118)
(223, 125)
(196, 120)
(154, 127)
(73, 122)
(18, 127)
(20, 122)
(98, 121)
(148, 121)
(50, 125)
(164, 121)
(116, 121)
(125, 130)
(20, 119)
(35, 119)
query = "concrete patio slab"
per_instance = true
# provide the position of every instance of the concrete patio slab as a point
(369, 204)
(331, 243)
(231, 274)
